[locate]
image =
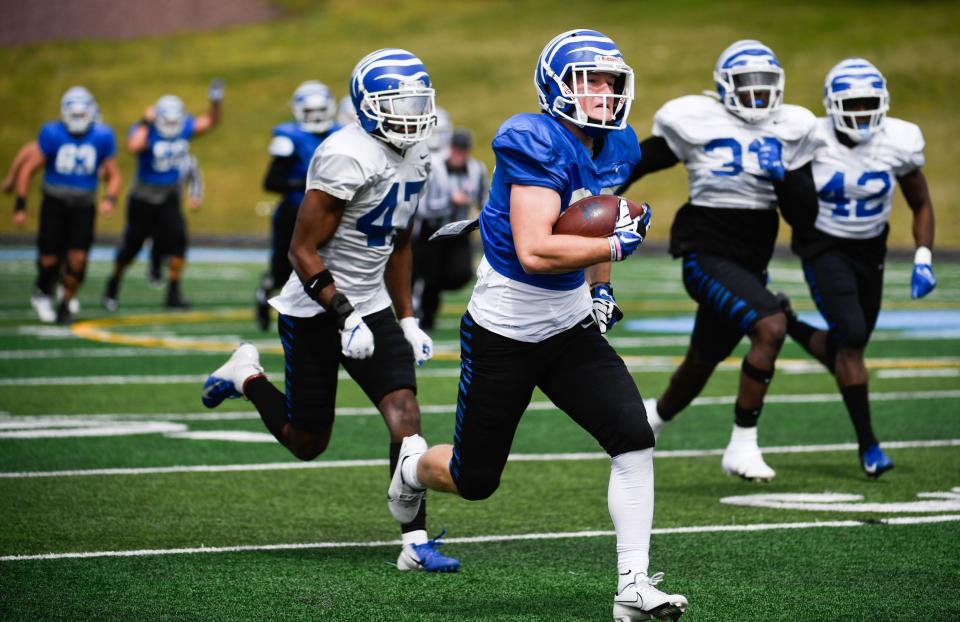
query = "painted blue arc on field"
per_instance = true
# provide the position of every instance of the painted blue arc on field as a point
(938, 322)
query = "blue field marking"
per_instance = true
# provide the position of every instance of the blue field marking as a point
(933, 322)
(196, 254)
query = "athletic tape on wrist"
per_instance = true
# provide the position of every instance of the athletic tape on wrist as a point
(341, 308)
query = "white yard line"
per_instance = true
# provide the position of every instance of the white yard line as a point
(300, 546)
(552, 457)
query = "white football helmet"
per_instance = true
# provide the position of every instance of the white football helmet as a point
(171, 116)
(314, 107)
(439, 139)
(78, 110)
(856, 98)
(346, 114)
(393, 97)
(749, 80)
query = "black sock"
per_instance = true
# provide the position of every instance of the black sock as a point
(858, 405)
(420, 520)
(47, 278)
(270, 404)
(746, 417)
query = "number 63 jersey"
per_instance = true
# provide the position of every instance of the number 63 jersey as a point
(855, 184)
(382, 190)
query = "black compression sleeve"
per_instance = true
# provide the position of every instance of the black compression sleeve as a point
(655, 155)
(278, 177)
(797, 196)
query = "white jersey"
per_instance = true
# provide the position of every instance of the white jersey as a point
(856, 184)
(382, 191)
(719, 149)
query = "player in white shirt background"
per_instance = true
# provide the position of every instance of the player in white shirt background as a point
(351, 259)
(867, 155)
(746, 153)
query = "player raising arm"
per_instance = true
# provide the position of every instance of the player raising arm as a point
(529, 323)
(866, 156)
(351, 258)
(745, 154)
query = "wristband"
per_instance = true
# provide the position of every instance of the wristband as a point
(20, 204)
(316, 283)
(923, 256)
(111, 199)
(341, 308)
(143, 121)
(614, 248)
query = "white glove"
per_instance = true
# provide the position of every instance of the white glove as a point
(356, 339)
(420, 341)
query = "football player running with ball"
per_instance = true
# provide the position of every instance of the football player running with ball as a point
(745, 153)
(292, 147)
(530, 323)
(351, 258)
(866, 156)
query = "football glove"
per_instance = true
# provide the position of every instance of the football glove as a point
(356, 339)
(215, 90)
(923, 281)
(606, 311)
(628, 232)
(769, 156)
(420, 341)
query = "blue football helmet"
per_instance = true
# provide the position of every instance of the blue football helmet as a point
(171, 116)
(393, 97)
(78, 110)
(561, 79)
(749, 80)
(856, 98)
(314, 107)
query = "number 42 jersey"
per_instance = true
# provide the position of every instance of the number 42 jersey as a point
(382, 190)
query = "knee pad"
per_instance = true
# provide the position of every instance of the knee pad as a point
(631, 432)
(763, 376)
(477, 485)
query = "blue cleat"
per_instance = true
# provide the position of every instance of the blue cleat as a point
(875, 462)
(427, 557)
(227, 381)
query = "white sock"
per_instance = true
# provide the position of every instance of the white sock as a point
(408, 471)
(414, 537)
(747, 436)
(630, 501)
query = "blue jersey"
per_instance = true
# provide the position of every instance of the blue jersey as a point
(537, 150)
(73, 161)
(161, 163)
(290, 141)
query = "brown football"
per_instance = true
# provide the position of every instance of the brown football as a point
(595, 216)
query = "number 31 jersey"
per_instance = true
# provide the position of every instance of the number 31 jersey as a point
(720, 149)
(382, 190)
(855, 184)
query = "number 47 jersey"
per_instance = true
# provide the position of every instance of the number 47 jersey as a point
(720, 149)
(382, 190)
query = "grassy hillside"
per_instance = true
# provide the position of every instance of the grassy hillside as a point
(481, 57)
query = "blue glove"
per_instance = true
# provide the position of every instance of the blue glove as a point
(769, 156)
(923, 280)
(628, 232)
(606, 311)
(215, 90)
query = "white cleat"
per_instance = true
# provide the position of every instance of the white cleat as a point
(74, 306)
(43, 305)
(402, 498)
(228, 380)
(641, 600)
(742, 456)
(653, 417)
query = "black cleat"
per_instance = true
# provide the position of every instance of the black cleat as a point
(174, 298)
(64, 317)
(110, 302)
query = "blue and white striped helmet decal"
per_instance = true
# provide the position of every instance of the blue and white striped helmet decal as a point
(386, 70)
(77, 95)
(577, 46)
(747, 52)
(854, 74)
